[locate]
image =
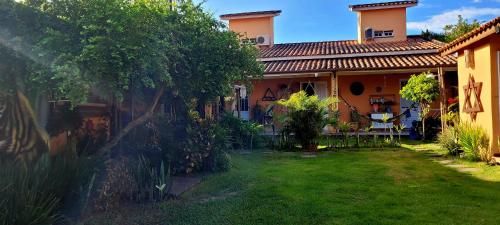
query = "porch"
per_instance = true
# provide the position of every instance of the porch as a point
(370, 93)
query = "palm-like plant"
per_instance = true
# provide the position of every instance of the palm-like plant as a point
(305, 117)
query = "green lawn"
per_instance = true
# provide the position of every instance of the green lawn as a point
(358, 187)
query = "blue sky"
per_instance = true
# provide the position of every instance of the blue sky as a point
(321, 20)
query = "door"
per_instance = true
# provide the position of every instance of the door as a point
(404, 105)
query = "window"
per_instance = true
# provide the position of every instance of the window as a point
(244, 104)
(315, 88)
(357, 88)
(308, 88)
(383, 33)
(252, 41)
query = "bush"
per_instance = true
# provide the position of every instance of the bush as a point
(306, 116)
(474, 140)
(152, 181)
(37, 194)
(242, 133)
(449, 139)
(118, 186)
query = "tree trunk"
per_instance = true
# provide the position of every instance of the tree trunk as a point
(423, 129)
(136, 122)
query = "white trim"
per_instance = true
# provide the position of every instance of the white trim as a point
(355, 55)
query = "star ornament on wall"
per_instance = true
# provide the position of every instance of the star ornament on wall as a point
(471, 88)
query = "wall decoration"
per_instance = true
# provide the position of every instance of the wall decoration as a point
(357, 88)
(269, 96)
(475, 107)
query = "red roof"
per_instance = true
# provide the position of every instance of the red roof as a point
(360, 63)
(383, 5)
(413, 43)
(415, 52)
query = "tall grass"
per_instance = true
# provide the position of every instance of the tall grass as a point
(35, 195)
(474, 140)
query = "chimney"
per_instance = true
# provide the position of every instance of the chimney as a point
(382, 22)
(254, 27)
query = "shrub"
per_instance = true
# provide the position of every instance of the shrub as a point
(118, 186)
(152, 181)
(242, 133)
(305, 117)
(37, 194)
(474, 140)
(449, 139)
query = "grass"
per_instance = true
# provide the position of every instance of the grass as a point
(346, 187)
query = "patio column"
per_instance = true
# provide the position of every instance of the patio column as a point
(443, 98)
(334, 88)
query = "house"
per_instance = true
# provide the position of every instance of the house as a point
(365, 74)
(478, 77)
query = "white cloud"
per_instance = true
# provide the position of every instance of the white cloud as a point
(437, 22)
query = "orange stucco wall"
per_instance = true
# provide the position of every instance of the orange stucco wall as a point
(383, 19)
(260, 86)
(252, 27)
(390, 84)
(484, 70)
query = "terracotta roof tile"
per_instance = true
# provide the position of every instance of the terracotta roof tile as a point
(413, 43)
(361, 63)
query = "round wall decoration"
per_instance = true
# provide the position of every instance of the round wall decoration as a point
(357, 88)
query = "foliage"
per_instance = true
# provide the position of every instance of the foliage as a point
(62, 119)
(344, 128)
(37, 194)
(423, 89)
(474, 140)
(119, 185)
(240, 131)
(306, 116)
(449, 139)
(452, 31)
(399, 129)
(152, 182)
(127, 48)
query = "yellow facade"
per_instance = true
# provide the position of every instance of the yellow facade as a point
(484, 68)
(253, 27)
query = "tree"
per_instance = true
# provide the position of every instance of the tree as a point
(146, 48)
(452, 31)
(423, 89)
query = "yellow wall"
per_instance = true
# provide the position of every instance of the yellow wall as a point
(383, 19)
(485, 71)
(252, 27)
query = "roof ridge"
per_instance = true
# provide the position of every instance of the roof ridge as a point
(414, 36)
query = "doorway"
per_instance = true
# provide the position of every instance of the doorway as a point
(404, 105)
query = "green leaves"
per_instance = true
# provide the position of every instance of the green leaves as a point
(306, 116)
(421, 88)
